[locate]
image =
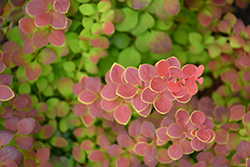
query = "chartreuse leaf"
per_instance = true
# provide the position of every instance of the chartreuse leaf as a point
(41, 84)
(129, 57)
(14, 35)
(121, 40)
(82, 1)
(129, 21)
(180, 36)
(163, 25)
(87, 22)
(108, 16)
(87, 9)
(69, 66)
(65, 86)
(24, 88)
(195, 38)
(145, 21)
(103, 6)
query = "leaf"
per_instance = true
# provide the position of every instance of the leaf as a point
(57, 38)
(134, 129)
(161, 134)
(163, 156)
(58, 20)
(162, 104)
(148, 129)
(8, 152)
(158, 84)
(9, 163)
(129, 21)
(124, 140)
(62, 6)
(151, 152)
(126, 90)
(140, 148)
(122, 114)
(129, 57)
(148, 96)
(79, 109)
(221, 114)
(27, 25)
(46, 131)
(5, 93)
(42, 19)
(65, 85)
(25, 126)
(19, 58)
(62, 109)
(33, 71)
(198, 118)
(116, 73)
(28, 46)
(103, 142)
(122, 162)
(114, 150)
(175, 130)
(24, 142)
(237, 112)
(140, 4)
(109, 105)
(42, 155)
(96, 156)
(87, 145)
(47, 56)
(87, 97)
(6, 137)
(219, 161)
(108, 28)
(103, 6)
(138, 104)
(175, 151)
(59, 142)
(95, 109)
(79, 155)
(221, 136)
(182, 117)
(205, 17)
(40, 38)
(87, 119)
(196, 144)
(160, 42)
(36, 7)
(86, 9)
(172, 6)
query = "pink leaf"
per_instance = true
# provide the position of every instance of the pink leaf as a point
(135, 129)
(88, 119)
(58, 20)
(109, 91)
(146, 72)
(8, 152)
(189, 69)
(198, 118)
(148, 96)
(140, 148)
(33, 71)
(93, 84)
(25, 126)
(114, 150)
(197, 144)
(122, 114)
(36, 7)
(148, 129)
(163, 156)
(175, 130)
(191, 86)
(5, 93)
(172, 6)
(175, 151)
(138, 104)
(108, 28)
(237, 112)
(47, 56)
(116, 73)
(162, 68)
(43, 155)
(151, 152)
(28, 46)
(42, 19)
(122, 162)
(162, 104)
(173, 87)
(182, 117)
(19, 58)
(87, 97)
(126, 90)
(205, 17)
(62, 6)
(95, 109)
(176, 72)
(57, 38)
(5, 136)
(203, 135)
(96, 156)
(124, 140)
(27, 25)
(103, 142)
(145, 113)
(132, 76)
(40, 38)
(157, 84)
(161, 134)
(109, 105)
(199, 70)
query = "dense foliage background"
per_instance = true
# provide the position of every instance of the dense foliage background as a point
(124, 83)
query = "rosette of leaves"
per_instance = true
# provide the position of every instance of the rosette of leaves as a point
(97, 24)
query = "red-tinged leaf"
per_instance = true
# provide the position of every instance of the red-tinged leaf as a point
(114, 150)
(175, 130)
(47, 56)
(116, 73)
(224, 26)
(175, 151)
(95, 109)
(189, 69)
(19, 58)
(27, 25)
(247, 162)
(131, 76)
(11, 123)
(157, 84)
(36, 7)
(209, 123)
(20, 103)
(205, 17)
(162, 68)
(96, 156)
(134, 129)
(246, 119)
(145, 113)
(198, 118)
(109, 91)
(62, 6)
(161, 134)
(203, 135)
(163, 156)
(6, 112)
(160, 42)
(122, 162)
(78, 154)
(124, 140)
(239, 27)
(58, 20)
(148, 129)
(176, 72)
(138, 104)
(221, 136)
(9, 163)
(5, 137)
(146, 72)
(172, 6)
(37, 127)
(152, 163)
(221, 114)
(18, 2)
(5, 93)
(245, 61)
(237, 41)
(105, 163)
(87, 97)
(79, 110)
(24, 142)
(87, 145)
(140, 4)
(59, 142)
(2, 66)
(33, 71)
(148, 96)
(199, 70)
(57, 38)
(40, 38)
(237, 112)
(46, 131)
(43, 155)
(219, 2)
(140, 148)
(64, 86)
(108, 28)
(28, 46)
(174, 87)
(221, 150)
(87, 119)
(219, 161)
(103, 142)
(42, 19)
(96, 41)
(191, 86)
(186, 146)
(200, 164)
(196, 144)
(8, 152)
(122, 114)
(109, 105)
(151, 152)
(162, 104)
(236, 159)
(182, 117)
(10, 46)
(205, 156)
(93, 84)
(78, 88)
(243, 149)
(126, 90)
(25, 126)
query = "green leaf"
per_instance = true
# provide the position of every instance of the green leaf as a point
(48, 91)
(103, 6)
(83, 1)
(41, 83)
(63, 127)
(214, 51)
(69, 66)
(163, 25)
(121, 40)
(129, 57)
(86, 9)
(74, 46)
(52, 102)
(141, 42)
(14, 35)
(65, 85)
(195, 38)
(180, 36)
(87, 22)
(24, 88)
(129, 21)
(96, 28)
(108, 16)
(46, 70)
(84, 45)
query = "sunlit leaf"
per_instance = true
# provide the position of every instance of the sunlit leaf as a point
(122, 114)
(175, 151)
